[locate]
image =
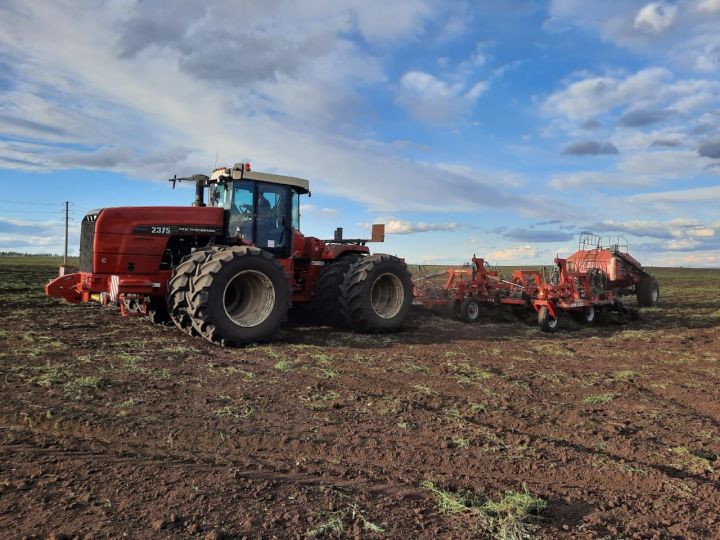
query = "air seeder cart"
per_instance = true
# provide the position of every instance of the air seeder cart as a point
(588, 285)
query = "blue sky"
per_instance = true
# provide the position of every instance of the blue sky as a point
(498, 128)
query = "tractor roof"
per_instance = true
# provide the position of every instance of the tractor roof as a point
(301, 183)
(237, 172)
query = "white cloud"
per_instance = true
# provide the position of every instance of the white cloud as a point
(646, 90)
(677, 228)
(513, 254)
(675, 31)
(399, 226)
(708, 195)
(432, 100)
(143, 103)
(316, 212)
(597, 180)
(655, 17)
(710, 6)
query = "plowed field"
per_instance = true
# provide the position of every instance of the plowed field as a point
(113, 427)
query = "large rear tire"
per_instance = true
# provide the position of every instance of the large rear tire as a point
(179, 287)
(327, 291)
(376, 294)
(239, 295)
(647, 292)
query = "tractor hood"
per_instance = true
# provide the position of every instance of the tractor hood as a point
(159, 220)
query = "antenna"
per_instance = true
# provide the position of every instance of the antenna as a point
(217, 152)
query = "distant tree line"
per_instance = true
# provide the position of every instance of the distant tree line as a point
(18, 254)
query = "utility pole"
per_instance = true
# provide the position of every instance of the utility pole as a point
(67, 221)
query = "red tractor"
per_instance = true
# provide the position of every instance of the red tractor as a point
(229, 270)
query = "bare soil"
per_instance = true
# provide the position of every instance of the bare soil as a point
(113, 427)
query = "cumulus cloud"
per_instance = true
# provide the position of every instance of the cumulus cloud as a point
(590, 148)
(655, 17)
(595, 95)
(432, 100)
(677, 31)
(710, 6)
(513, 254)
(399, 226)
(710, 148)
(131, 100)
(665, 143)
(709, 195)
(644, 117)
(675, 228)
(31, 236)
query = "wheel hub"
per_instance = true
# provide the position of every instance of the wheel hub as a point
(387, 296)
(249, 298)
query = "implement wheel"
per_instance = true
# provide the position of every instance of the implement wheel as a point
(376, 294)
(469, 310)
(585, 316)
(239, 295)
(647, 292)
(547, 322)
(327, 291)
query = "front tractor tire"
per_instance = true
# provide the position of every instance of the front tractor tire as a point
(647, 292)
(240, 295)
(327, 291)
(179, 288)
(376, 294)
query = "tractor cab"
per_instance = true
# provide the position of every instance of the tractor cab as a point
(260, 208)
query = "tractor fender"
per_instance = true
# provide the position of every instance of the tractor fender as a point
(333, 251)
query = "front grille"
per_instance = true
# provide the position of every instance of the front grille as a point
(87, 237)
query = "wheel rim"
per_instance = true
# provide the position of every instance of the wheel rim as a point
(551, 321)
(473, 311)
(655, 294)
(249, 298)
(589, 314)
(387, 296)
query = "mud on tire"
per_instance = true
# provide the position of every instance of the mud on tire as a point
(179, 287)
(239, 295)
(376, 294)
(327, 291)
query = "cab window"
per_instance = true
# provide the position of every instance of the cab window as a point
(241, 220)
(295, 211)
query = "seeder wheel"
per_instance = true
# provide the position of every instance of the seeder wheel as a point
(547, 322)
(469, 310)
(585, 316)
